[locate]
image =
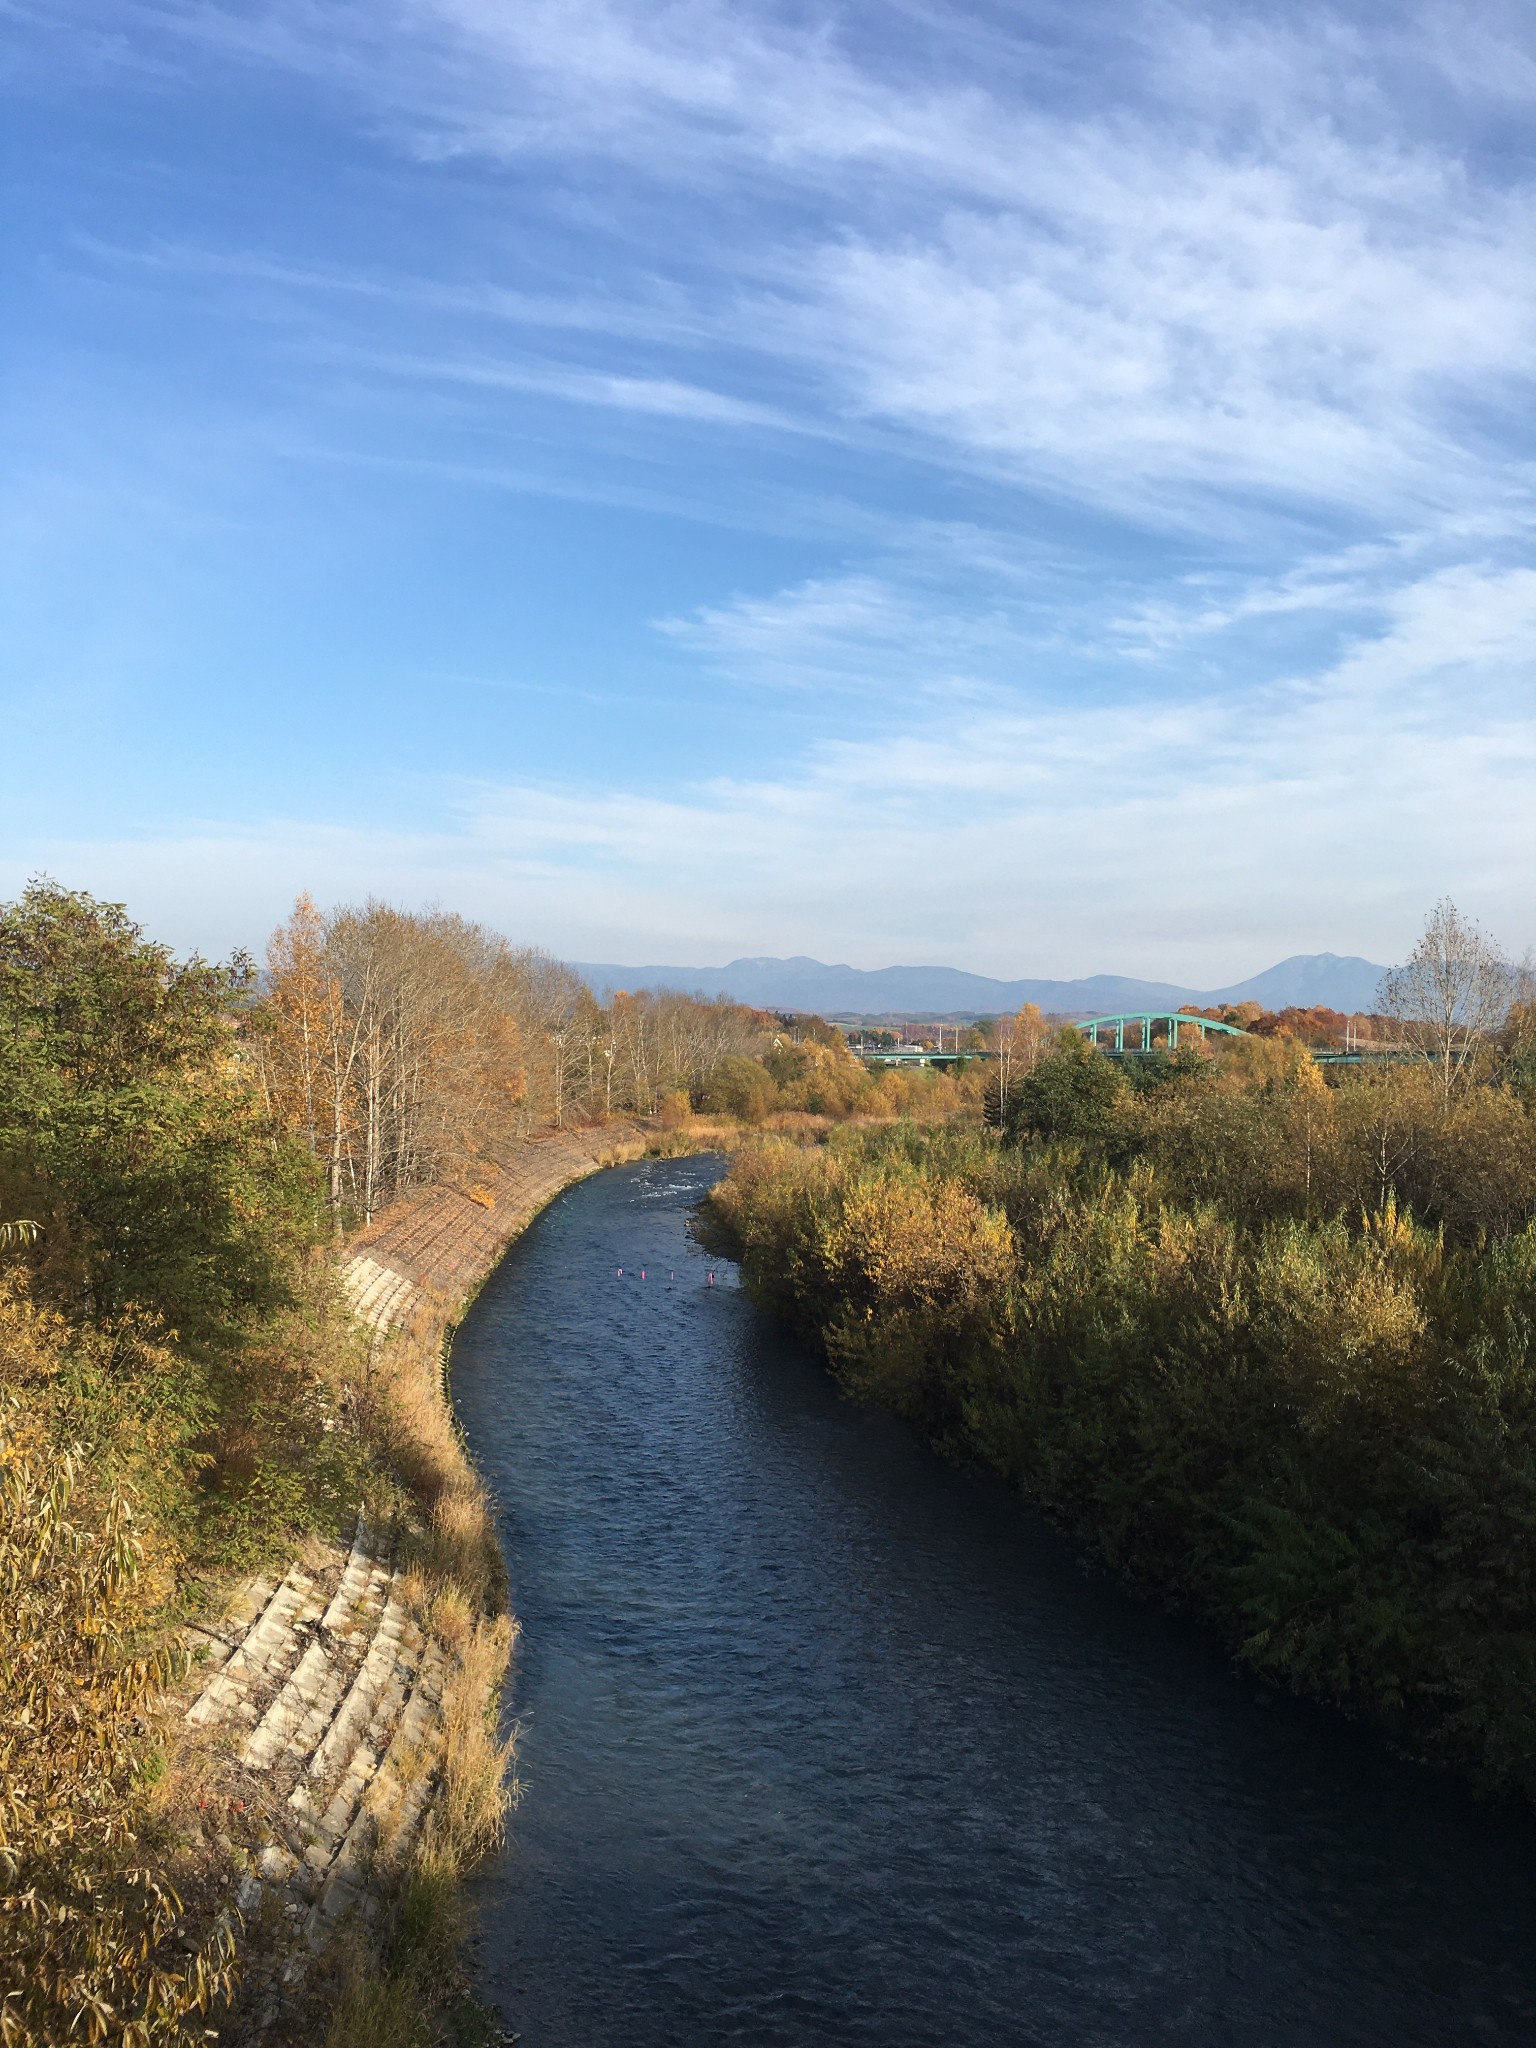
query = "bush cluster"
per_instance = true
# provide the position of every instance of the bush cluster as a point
(1265, 1344)
(820, 1077)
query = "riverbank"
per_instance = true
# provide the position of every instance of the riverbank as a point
(342, 1719)
(410, 1277)
(1313, 1432)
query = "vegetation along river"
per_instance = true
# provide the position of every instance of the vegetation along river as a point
(826, 1742)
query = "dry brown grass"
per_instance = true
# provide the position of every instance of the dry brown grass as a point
(682, 1137)
(451, 1618)
(803, 1124)
(455, 1542)
(395, 1994)
(400, 1997)
(478, 1789)
(458, 1586)
(400, 1992)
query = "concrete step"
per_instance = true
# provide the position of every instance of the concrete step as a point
(380, 1297)
(264, 1655)
(300, 1716)
(307, 1701)
(219, 1641)
(357, 1749)
(412, 1754)
(349, 1595)
(388, 1650)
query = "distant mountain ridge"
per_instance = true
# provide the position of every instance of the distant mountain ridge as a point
(1341, 981)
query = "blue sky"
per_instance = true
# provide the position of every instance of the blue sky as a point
(1042, 489)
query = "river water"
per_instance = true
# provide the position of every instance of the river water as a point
(827, 1742)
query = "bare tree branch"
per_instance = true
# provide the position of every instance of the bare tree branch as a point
(1451, 995)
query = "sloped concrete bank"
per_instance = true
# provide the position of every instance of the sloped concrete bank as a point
(341, 1713)
(435, 1252)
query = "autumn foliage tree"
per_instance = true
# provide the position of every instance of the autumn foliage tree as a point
(129, 1133)
(402, 1048)
(1018, 1042)
(390, 1043)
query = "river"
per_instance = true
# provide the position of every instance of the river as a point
(828, 1742)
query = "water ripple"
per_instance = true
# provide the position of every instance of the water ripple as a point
(829, 1743)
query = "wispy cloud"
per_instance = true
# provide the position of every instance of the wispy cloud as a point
(1236, 272)
(1241, 280)
(660, 397)
(1222, 833)
(861, 633)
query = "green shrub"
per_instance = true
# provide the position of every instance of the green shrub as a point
(738, 1087)
(1074, 1092)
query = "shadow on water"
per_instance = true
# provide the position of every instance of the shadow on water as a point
(828, 1742)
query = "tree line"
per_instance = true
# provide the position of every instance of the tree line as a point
(401, 1048)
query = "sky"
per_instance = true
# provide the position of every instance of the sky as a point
(1039, 489)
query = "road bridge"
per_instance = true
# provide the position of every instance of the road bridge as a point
(917, 1056)
(1364, 1055)
(1142, 1024)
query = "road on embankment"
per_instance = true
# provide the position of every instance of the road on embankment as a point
(827, 1742)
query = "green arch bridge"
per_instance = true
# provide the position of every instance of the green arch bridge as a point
(1140, 1024)
(1143, 1022)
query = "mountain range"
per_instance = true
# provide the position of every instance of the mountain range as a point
(1342, 981)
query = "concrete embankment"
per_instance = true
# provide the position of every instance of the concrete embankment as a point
(436, 1250)
(340, 1711)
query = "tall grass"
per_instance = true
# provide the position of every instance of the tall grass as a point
(404, 1988)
